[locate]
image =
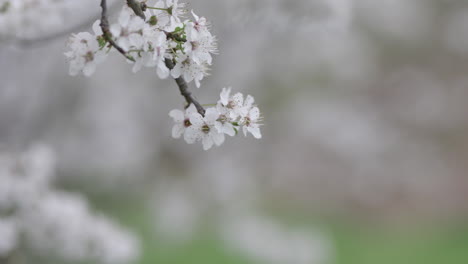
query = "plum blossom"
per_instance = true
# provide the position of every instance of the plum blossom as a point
(230, 115)
(129, 30)
(200, 43)
(197, 27)
(250, 123)
(189, 69)
(231, 106)
(203, 129)
(85, 54)
(169, 19)
(180, 48)
(181, 120)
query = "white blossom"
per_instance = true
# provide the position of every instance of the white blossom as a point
(250, 123)
(204, 129)
(231, 106)
(85, 54)
(200, 43)
(181, 120)
(129, 30)
(189, 69)
(198, 27)
(171, 17)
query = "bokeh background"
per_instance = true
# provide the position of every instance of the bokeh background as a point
(365, 138)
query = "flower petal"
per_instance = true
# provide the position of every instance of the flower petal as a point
(196, 119)
(178, 130)
(207, 142)
(218, 138)
(211, 115)
(255, 131)
(192, 135)
(177, 115)
(254, 114)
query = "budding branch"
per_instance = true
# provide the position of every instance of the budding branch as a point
(137, 9)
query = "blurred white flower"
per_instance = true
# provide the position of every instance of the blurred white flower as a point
(129, 30)
(85, 54)
(175, 11)
(52, 222)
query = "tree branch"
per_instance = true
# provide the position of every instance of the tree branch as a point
(137, 8)
(107, 34)
(183, 87)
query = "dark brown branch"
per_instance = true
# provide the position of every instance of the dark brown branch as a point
(106, 31)
(183, 87)
(137, 8)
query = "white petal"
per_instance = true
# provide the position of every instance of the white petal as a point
(177, 115)
(244, 129)
(178, 130)
(254, 114)
(225, 95)
(218, 138)
(124, 17)
(190, 110)
(195, 16)
(207, 142)
(255, 131)
(211, 115)
(176, 71)
(197, 120)
(136, 40)
(97, 28)
(238, 99)
(249, 101)
(228, 129)
(162, 71)
(192, 134)
(115, 30)
(89, 69)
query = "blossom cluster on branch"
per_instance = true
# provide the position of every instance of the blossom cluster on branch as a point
(161, 36)
(230, 114)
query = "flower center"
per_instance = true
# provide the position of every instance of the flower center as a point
(187, 122)
(247, 121)
(89, 56)
(205, 129)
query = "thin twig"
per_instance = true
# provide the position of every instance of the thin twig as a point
(183, 87)
(137, 8)
(107, 34)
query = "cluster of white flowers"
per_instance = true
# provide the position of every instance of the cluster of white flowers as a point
(230, 114)
(162, 37)
(36, 216)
